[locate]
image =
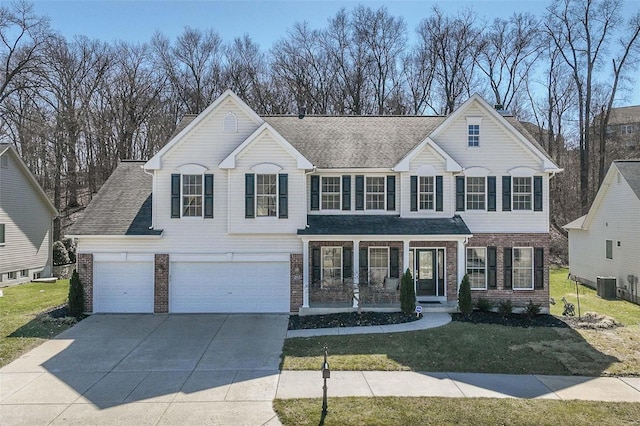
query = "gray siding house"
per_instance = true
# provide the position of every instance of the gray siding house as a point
(26, 222)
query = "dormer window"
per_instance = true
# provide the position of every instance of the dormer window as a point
(473, 132)
(192, 192)
(266, 195)
(192, 195)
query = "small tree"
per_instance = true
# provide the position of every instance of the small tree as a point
(60, 254)
(407, 293)
(465, 304)
(76, 295)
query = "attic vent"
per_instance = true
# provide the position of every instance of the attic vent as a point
(4, 162)
(230, 123)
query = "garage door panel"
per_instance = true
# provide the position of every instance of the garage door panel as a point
(123, 287)
(229, 287)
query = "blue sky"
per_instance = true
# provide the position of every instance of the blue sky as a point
(264, 21)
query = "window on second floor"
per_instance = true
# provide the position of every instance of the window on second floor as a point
(266, 195)
(192, 195)
(626, 129)
(476, 192)
(473, 136)
(331, 193)
(426, 193)
(374, 196)
(522, 193)
(609, 249)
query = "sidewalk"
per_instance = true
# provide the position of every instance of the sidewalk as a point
(308, 384)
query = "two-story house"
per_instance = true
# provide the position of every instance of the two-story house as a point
(26, 222)
(243, 213)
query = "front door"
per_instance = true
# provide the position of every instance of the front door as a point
(426, 277)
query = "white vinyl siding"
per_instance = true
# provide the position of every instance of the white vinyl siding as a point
(522, 268)
(477, 267)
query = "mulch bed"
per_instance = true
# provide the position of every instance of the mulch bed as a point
(512, 320)
(348, 319)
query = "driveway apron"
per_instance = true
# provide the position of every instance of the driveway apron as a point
(150, 369)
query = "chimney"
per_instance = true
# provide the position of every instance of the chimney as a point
(498, 107)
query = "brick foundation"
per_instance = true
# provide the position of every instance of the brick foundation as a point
(161, 284)
(84, 266)
(296, 285)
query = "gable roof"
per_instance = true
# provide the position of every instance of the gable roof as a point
(630, 170)
(121, 207)
(189, 122)
(625, 115)
(7, 149)
(333, 142)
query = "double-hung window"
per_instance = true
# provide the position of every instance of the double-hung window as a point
(523, 268)
(266, 195)
(473, 136)
(378, 264)
(609, 249)
(375, 193)
(476, 193)
(2, 238)
(192, 195)
(331, 265)
(330, 192)
(477, 267)
(522, 193)
(426, 190)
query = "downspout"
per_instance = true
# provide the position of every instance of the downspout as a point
(153, 191)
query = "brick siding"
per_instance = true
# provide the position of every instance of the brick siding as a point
(296, 285)
(161, 284)
(84, 266)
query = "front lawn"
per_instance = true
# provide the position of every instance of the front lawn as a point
(454, 411)
(21, 329)
(489, 348)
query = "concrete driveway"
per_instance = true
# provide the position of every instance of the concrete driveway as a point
(149, 369)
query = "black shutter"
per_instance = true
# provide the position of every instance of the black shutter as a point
(283, 194)
(492, 267)
(414, 193)
(249, 196)
(175, 195)
(316, 261)
(359, 192)
(508, 276)
(491, 193)
(538, 267)
(506, 193)
(439, 193)
(346, 192)
(459, 193)
(537, 193)
(347, 263)
(315, 192)
(364, 265)
(208, 196)
(394, 262)
(391, 193)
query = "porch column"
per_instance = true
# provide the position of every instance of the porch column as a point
(305, 273)
(405, 258)
(462, 256)
(356, 273)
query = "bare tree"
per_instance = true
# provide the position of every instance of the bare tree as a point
(418, 72)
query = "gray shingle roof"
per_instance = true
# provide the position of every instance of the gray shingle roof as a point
(630, 169)
(625, 115)
(121, 207)
(382, 225)
(354, 141)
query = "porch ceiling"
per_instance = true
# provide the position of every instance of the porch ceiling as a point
(382, 225)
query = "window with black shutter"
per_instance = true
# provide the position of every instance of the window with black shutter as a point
(316, 263)
(506, 193)
(508, 272)
(492, 267)
(537, 193)
(538, 267)
(346, 192)
(414, 193)
(249, 196)
(364, 265)
(283, 194)
(439, 195)
(460, 193)
(359, 192)
(394, 262)
(208, 196)
(347, 262)
(391, 193)
(315, 192)
(175, 195)
(491, 193)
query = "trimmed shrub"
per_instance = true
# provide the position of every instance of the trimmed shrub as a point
(484, 305)
(465, 304)
(407, 293)
(505, 307)
(71, 249)
(76, 296)
(60, 254)
(532, 309)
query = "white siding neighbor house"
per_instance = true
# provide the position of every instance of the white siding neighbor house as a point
(26, 222)
(606, 241)
(248, 213)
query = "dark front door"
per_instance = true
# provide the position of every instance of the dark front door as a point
(426, 277)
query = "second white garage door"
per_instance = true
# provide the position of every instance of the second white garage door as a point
(198, 287)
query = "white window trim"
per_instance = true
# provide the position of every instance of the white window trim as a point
(369, 260)
(466, 194)
(255, 197)
(384, 194)
(474, 121)
(339, 192)
(322, 262)
(421, 192)
(182, 215)
(485, 267)
(230, 123)
(513, 194)
(513, 269)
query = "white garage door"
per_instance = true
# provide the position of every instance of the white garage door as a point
(123, 286)
(229, 287)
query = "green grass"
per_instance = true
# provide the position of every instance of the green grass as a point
(20, 327)
(487, 348)
(454, 411)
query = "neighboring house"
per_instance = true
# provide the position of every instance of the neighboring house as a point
(606, 241)
(624, 127)
(243, 213)
(26, 222)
